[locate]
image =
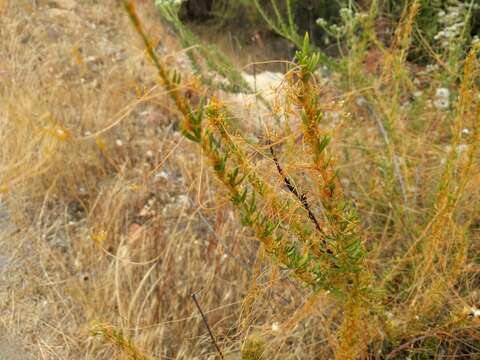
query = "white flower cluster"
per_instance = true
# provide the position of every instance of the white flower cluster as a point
(453, 21)
(349, 19)
(442, 99)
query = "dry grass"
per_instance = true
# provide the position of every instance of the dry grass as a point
(110, 219)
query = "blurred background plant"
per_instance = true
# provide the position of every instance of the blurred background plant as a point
(439, 22)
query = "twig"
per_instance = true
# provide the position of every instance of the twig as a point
(302, 197)
(405, 346)
(194, 297)
(293, 189)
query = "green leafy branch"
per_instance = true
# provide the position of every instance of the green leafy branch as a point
(319, 260)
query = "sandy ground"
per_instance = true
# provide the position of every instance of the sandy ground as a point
(12, 349)
(12, 346)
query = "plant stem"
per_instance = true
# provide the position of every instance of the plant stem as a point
(194, 297)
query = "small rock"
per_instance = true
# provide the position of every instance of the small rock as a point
(264, 82)
(361, 101)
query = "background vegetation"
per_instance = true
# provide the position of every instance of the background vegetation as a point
(431, 18)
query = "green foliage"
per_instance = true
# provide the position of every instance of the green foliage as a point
(198, 52)
(231, 167)
(114, 337)
(253, 348)
(285, 26)
(340, 22)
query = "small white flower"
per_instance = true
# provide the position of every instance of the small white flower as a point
(474, 313)
(336, 29)
(275, 327)
(119, 142)
(441, 104)
(346, 13)
(442, 93)
(321, 22)
(466, 131)
(149, 154)
(162, 175)
(183, 200)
